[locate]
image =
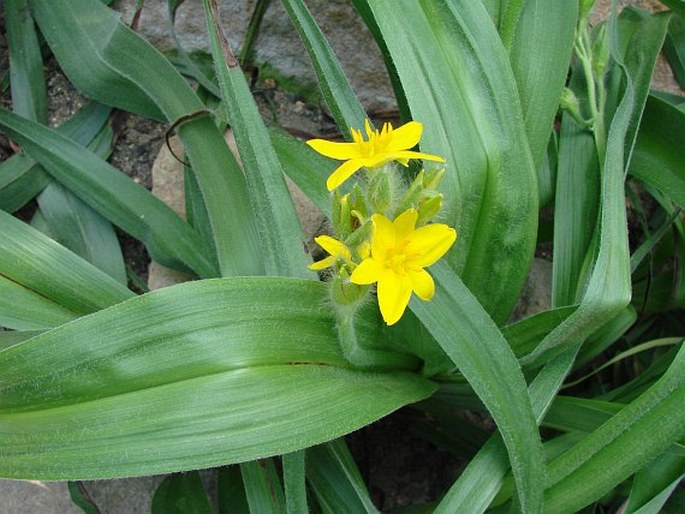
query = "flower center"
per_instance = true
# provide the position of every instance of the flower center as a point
(398, 260)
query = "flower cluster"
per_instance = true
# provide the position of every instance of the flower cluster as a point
(382, 228)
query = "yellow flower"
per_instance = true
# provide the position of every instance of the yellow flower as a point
(335, 248)
(399, 252)
(381, 148)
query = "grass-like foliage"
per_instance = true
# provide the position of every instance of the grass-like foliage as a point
(550, 137)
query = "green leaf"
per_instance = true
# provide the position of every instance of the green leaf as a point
(41, 265)
(294, 481)
(24, 309)
(76, 226)
(523, 336)
(621, 446)
(263, 487)
(336, 89)
(27, 79)
(231, 492)
(659, 155)
(336, 480)
(576, 208)
(168, 238)
(607, 291)
(471, 339)
(458, 82)
(172, 372)
(80, 497)
(114, 65)
(674, 47)
(22, 178)
(540, 55)
(654, 484)
(8, 339)
(307, 168)
(279, 227)
(182, 493)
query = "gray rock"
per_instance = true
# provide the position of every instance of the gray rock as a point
(278, 44)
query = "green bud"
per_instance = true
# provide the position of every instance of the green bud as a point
(341, 215)
(428, 208)
(359, 236)
(413, 193)
(359, 207)
(380, 191)
(344, 293)
(569, 103)
(600, 53)
(433, 177)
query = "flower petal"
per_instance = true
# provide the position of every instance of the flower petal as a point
(322, 264)
(344, 171)
(428, 243)
(405, 223)
(408, 154)
(340, 151)
(422, 284)
(382, 237)
(368, 272)
(333, 246)
(394, 291)
(405, 137)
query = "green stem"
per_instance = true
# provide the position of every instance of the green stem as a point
(357, 354)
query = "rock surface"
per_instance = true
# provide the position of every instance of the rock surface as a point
(278, 43)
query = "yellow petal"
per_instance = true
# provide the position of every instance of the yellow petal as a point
(394, 291)
(367, 127)
(367, 272)
(382, 237)
(407, 154)
(429, 243)
(405, 223)
(422, 284)
(323, 263)
(405, 137)
(340, 151)
(333, 246)
(344, 171)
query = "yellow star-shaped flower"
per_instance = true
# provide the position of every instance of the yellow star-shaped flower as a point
(399, 252)
(381, 147)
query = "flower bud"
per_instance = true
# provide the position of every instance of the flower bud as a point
(428, 208)
(433, 177)
(344, 293)
(381, 188)
(341, 218)
(600, 53)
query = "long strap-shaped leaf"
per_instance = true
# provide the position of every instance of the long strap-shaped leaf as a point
(659, 153)
(476, 346)
(643, 429)
(540, 55)
(608, 289)
(610, 274)
(38, 263)
(168, 238)
(458, 82)
(277, 222)
(115, 66)
(27, 79)
(196, 375)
